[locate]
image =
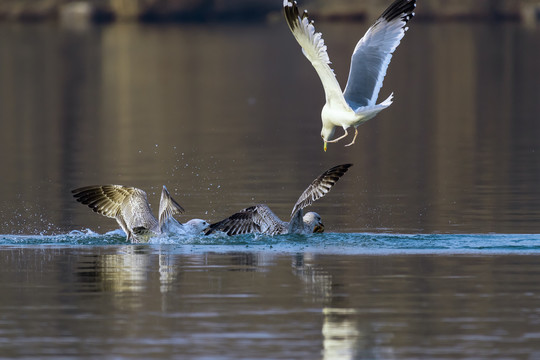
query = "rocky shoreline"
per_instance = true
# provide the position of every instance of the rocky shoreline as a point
(251, 10)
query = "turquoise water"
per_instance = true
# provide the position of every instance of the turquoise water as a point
(332, 243)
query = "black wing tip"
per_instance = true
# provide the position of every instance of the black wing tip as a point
(336, 172)
(292, 14)
(82, 193)
(90, 196)
(345, 166)
(209, 230)
(289, 5)
(327, 180)
(233, 224)
(403, 9)
(215, 227)
(339, 169)
(224, 226)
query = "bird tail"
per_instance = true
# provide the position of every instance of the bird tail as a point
(386, 103)
(369, 111)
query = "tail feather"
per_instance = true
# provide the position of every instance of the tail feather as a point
(388, 101)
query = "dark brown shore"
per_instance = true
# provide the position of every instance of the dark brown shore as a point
(248, 10)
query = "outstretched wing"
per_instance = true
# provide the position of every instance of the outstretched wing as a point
(106, 200)
(373, 52)
(320, 186)
(314, 49)
(167, 207)
(254, 219)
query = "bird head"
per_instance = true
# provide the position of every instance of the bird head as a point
(314, 220)
(326, 133)
(197, 225)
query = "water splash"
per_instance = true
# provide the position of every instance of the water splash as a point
(341, 243)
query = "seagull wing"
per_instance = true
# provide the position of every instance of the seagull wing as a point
(128, 205)
(320, 187)
(314, 49)
(167, 207)
(373, 52)
(254, 219)
(106, 200)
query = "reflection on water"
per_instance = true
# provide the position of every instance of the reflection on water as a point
(341, 335)
(228, 115)
(162, 302)
(343, 339)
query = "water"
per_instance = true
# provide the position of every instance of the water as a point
(432, 248)
(330, 243)
(227, 116)
(331, 296)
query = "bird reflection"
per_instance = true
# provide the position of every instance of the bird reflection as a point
(126, 274)
(167, 271)
(125, 271)
(318, 283)
(346, 335)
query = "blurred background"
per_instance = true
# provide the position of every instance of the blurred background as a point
(242, 10)
(215, 100)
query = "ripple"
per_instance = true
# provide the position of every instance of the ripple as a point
(353, 243)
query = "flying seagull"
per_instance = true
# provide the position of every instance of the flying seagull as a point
(130, 207)
(260, 219)
(369, 61)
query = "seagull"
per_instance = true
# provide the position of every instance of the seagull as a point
(130, 207)
(260, 219)
(369, 61)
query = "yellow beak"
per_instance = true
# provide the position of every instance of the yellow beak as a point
(325, 146)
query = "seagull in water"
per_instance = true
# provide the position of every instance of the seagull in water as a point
(260, 219)
(130, 207)
(370, 59)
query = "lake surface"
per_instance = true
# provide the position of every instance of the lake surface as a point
(355, 296)
(431, 248)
